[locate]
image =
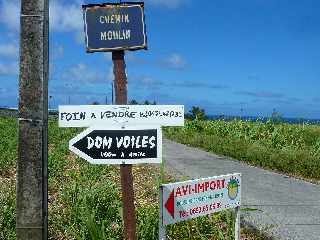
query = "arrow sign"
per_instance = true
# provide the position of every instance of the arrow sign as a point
(170, 204)
(118, 146)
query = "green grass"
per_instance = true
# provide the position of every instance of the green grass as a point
(8, 144)
(290, 149)
(7, 209)
(85, 200)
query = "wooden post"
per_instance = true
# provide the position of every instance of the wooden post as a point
(162, 229)
(237, 224)
(32, 163)
(120, 85)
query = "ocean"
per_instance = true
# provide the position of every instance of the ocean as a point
(265, 119)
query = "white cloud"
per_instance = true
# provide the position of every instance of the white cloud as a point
(65, 17)
(110, 73)
(168, 3)
(148, 81)
(107, 56)
(132, 57)
(174, 61)
(9, 50)
(9, 14)
(9, 69)
(79, 37)
(8, 97)
(56, 51)
(143, 81)
(82, 73)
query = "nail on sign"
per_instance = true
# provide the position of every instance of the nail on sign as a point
(102, 115)
(191, 199)
(118, 146)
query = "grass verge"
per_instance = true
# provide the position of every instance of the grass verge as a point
(289, 149)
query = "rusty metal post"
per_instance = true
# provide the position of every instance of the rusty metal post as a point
(32, 163)
(120, 85)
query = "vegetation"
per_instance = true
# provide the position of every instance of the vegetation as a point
(146, 102)
(85, 201)
(8, 145)
(133, 102)
(291, 149)
(196, 113)
(276, 117)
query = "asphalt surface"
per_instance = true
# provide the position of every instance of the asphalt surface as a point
(285, 208)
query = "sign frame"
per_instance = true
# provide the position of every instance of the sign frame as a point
(85, 8)
(84, 156)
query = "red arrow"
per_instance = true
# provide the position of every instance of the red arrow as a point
(170, 204)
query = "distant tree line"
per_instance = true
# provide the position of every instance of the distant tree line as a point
(146, 102)
(132, 102)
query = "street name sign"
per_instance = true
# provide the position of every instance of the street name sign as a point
(113, 26)
(138, 115)
(190, 199)
(115, 145)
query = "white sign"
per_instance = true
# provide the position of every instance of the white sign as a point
(186, 200)
(103, 115)
(115, 145)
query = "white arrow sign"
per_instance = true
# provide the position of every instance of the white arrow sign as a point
(103, 115)
(119, 146)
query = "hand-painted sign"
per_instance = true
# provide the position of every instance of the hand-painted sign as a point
(102, 115)
(191, 199)
(110, 27)
(118, 146)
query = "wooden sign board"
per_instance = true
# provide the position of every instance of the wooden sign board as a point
(112, 26)
(108, 115)
(119, 146)
(186, 200)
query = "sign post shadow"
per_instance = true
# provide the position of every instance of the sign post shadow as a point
(162, 228)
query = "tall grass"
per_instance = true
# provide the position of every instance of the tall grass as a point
(7, 210)
(85, 200)
(8, 143)
(291, 149)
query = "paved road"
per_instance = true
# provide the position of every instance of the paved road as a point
(287, 208)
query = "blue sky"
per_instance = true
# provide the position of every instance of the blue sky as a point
(229, 57)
